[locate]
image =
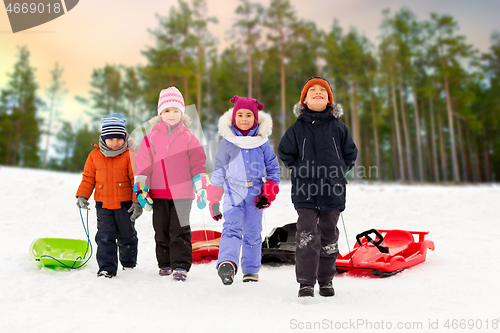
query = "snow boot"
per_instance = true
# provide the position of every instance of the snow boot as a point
(165, 271)
(226, 272)
(326, 289)
(306, 290)
(251, 277)
(106, 274)
(180, 274)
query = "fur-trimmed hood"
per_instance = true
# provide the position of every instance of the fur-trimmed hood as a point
(336, 112)
(265, 123)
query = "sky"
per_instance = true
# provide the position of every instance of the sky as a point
(96, 33)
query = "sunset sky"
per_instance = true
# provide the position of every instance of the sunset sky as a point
(102, 32)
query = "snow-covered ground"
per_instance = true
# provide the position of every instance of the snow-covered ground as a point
(455, 286)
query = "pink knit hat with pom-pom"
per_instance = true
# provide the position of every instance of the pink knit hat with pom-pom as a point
(246, 103)
(171, 97)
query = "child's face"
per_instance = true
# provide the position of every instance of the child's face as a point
(171, 116)
(244, 119)
(114, 143)
(316, 98)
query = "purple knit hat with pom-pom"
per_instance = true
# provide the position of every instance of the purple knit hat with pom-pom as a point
(246, 103)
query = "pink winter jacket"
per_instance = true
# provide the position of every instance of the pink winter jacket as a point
(170, 159)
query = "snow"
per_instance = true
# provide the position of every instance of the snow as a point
(457, 282)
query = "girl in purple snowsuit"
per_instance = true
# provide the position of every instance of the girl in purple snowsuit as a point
(244, 158)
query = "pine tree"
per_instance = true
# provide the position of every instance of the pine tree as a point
(249, 28)
(65, 146)
(353, 54)
(450, 48)
(407, 32)
(280, 18)
(19, 123)
(54, 93)
(131, 86)
(388, 54)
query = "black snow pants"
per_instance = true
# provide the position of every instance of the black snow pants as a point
(115, 231)
(317, 249)
(173, 233)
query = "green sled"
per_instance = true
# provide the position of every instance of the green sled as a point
(60, 252)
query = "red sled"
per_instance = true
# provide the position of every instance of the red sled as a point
(387, 254)
(205, 245)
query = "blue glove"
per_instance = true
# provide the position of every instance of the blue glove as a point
(201, 182)
(141, 190)
(201, 198)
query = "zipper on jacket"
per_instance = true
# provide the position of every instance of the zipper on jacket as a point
(335, 145)
(303, 146)
(169, 136)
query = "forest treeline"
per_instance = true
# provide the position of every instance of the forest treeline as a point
(423, 104)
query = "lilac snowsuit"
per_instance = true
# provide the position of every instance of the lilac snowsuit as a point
(240, 166)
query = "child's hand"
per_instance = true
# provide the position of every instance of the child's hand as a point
(136, 210)
(269, 191)
(145, 200)
(82, 202)
(214, 193)
(215, 210)
(262, 202)
(141, 190)
(201, 198)
(200, 182)
(140, 187)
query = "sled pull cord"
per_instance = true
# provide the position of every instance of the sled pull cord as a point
(205, 229)
(265, 228)
(87, 232)
(347, 240)
(86, 228)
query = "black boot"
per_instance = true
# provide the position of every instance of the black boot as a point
(326, 289)
(251, 277)
(306, 290)
(226, 272)
(106, 274)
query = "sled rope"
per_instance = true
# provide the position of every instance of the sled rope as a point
(205, 229)
(347, 240)
(86, 228)
(265, 228)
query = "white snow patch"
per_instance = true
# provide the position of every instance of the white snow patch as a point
(330, 248)
(304, 238)
(456, 282)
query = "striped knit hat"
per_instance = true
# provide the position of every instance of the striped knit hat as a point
(170, 97)
(113, 126)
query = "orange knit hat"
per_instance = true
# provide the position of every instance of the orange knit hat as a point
(311, 82)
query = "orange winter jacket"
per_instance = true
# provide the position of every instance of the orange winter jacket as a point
(111, 177)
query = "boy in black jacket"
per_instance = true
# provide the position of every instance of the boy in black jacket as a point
(319, 151)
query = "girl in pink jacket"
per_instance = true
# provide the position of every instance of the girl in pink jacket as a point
(170, 170)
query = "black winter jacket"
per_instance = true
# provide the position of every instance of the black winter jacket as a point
(319, 151)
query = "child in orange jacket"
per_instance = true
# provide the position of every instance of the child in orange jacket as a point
(108, 170)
